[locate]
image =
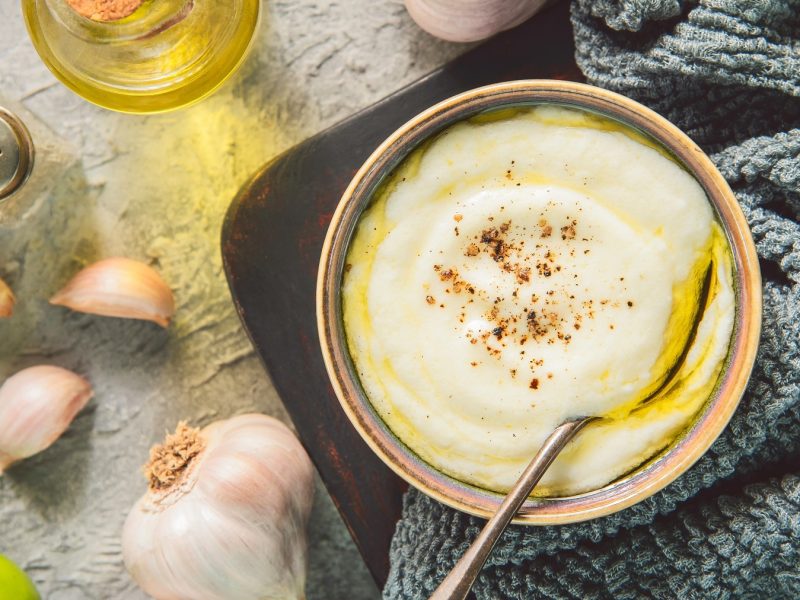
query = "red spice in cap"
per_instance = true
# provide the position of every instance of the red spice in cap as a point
(104, 10)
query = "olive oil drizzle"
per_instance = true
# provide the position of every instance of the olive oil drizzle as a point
(703, 303)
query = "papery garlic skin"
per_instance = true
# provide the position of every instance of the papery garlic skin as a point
(233, 525)
(119, 287)
(470, 20)
(7, 300)
(36, 406)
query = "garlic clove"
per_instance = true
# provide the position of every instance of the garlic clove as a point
(36, 406)
(7, 300)
(225, 515)
(119, 287)
(470, 20)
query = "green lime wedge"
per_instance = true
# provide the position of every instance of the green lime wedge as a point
(14, 583)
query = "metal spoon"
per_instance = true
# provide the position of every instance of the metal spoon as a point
(459, 581)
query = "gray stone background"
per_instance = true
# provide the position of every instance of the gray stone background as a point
(156, 188)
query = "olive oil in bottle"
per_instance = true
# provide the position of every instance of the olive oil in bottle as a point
(150, 56)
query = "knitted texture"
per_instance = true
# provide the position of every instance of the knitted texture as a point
(728, 73)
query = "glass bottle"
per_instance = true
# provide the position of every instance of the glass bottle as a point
(35, 164)
(166, 54)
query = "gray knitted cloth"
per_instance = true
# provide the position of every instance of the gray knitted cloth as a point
(728, 73)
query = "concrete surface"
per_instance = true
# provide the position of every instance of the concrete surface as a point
(156, 188)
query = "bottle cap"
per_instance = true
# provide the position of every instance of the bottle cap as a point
(16, 154)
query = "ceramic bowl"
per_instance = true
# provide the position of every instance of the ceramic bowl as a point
(655, 473)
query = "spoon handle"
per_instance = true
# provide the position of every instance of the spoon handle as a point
(459, 581)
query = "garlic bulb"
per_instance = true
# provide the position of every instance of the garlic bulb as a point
(470, 20)
(119, 287)
(6, 300)
(225, 516)
(36, 407)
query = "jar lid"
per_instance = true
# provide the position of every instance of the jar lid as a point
(16, 154)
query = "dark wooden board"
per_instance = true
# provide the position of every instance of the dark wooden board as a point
(271, 242)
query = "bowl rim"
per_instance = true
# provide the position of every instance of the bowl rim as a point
(657, 472)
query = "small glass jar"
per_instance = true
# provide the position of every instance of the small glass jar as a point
(36, 167)
(167, 54)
